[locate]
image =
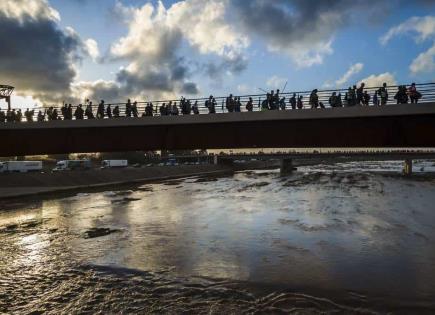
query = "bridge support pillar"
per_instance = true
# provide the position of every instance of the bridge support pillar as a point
(407, 167)
(287, 166)
(225, 162)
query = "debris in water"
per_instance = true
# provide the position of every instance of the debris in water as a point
(98, 232)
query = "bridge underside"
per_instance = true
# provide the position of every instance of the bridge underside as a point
(411, 126)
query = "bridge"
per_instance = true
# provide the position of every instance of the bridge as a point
(404, 126)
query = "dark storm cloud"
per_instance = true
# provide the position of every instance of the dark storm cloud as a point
(284, 21)
(190, 88)
(216, 69)
(36, 56)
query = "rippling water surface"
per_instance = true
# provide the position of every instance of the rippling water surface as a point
(349, 238)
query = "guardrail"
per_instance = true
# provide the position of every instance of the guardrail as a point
(427, 91)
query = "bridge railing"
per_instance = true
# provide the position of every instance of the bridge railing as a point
(427, 91)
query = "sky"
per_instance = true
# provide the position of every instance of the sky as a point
(70, 50)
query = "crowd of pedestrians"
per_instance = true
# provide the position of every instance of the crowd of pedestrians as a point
(354, 96)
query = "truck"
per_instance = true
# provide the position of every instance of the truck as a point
(114, 163)
(20, 166)
(70, 165)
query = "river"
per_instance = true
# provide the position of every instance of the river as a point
(349, 238)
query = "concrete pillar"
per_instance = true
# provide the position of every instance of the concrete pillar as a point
(226, 162)
(287, 166)
(407, 167)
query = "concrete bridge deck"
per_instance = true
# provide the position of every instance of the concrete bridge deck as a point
(406, 125)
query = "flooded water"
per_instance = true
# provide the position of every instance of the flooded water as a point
(349, 238)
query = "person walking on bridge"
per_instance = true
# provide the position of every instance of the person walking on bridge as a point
(360, 94)
(383, 93)
(100, 110)
(414, 95)
(250, 105)
(108, 111)
(314, 99)
(293, 101)
(79, 112)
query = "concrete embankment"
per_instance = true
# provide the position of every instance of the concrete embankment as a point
(19, 185)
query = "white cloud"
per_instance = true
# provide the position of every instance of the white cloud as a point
(304, 55)
(201, 22)
(92, 48)
(353, 69)
(244, 89)
(378, 80)
(23, 10)
(425, 62)
(276, 82)
(423, 26)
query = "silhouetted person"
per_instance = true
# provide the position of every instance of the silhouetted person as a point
(41, 116)
(401, 96)
(237, 105)
(100, 110)
(250, 105)
(10, 116)
(210, 104)
(265, 103)
(2, 116)
(360, 94)
(162, 109)
(89, 112)
(414, 95)
(314, 99)
(383, 93)
(148, 110)
(300, 102)
(55, 115)
(79, 112)
(18, 116)
(195, 109)
(333, 102)
(63, 110)
(293, 101)
(29, 115)
(230, 104)
(69, 112)
(174, 110)
(128, 108)
(351, 96)
(116, 112)
(109, 111)
(134, 110)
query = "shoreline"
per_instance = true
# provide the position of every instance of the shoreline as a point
(52, 188)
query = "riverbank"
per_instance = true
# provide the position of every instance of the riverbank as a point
(19, 185)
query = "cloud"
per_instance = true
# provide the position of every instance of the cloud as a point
(156, 38)
(38, 57)
(276, 82)
(424, 27)
(378, 80)
(302, 29)
(425, 62)
(92, 49)
(353, 69)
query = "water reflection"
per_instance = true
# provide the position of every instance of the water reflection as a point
(352, 231)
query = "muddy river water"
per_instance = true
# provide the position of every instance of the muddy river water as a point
(349, 238)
